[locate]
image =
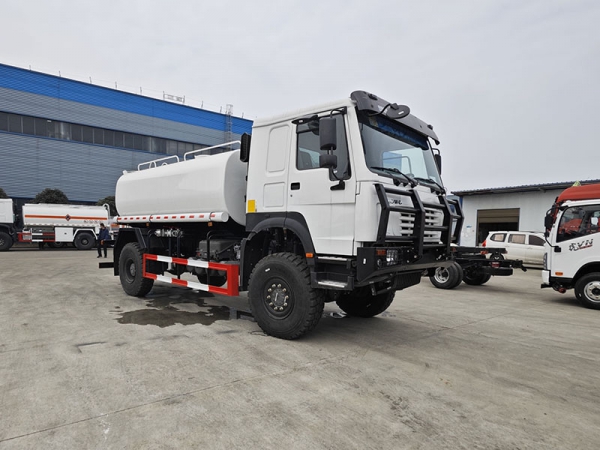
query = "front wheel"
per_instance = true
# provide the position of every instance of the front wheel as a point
(281, 298)
(130, 271)
(587, 290)
(361, 303)
(6, 241)
(447, 277)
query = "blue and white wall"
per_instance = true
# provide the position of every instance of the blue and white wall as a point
(86, 171)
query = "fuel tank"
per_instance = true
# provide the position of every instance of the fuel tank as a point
(43, 214)
(202, 184)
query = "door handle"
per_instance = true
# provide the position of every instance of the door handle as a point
(295, 186)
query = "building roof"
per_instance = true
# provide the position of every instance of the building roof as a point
(524, 188)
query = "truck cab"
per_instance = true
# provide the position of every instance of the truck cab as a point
(7, 224)
(380, 205)
(572, 258)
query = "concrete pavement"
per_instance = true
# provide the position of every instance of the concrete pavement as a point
(506, 365)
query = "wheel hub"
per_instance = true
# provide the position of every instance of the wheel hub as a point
(441, 275)
(277, 297)
(132, 270)
(592, 291)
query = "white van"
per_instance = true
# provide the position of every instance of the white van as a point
(524, 245)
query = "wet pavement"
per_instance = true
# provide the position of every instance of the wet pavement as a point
(82, 365)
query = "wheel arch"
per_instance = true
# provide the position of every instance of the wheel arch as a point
(585, 269)
(255, 247)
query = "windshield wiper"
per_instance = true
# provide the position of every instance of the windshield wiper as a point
(410, 179)
(435, 183)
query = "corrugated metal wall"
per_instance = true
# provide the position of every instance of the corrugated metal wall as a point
(87, 172)
(85, 114)
(83, 172)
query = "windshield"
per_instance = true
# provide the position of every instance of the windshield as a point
(392, 147)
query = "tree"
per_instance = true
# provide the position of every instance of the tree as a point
(51, 196)
(110, 200)
(3, 194)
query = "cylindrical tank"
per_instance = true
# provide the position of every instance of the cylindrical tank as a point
(44, 214)
(212, 183)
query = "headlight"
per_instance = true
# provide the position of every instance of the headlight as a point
(391, 257)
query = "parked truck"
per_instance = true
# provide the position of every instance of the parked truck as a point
(475, 266)
(53, 224)
(572, 258)
(338, 203)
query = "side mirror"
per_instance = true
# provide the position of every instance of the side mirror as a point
(328, 161)
(548, 221)
(245, 147)
(328, 133)
(438, 160)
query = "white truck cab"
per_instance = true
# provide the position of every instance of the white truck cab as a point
(572, 258)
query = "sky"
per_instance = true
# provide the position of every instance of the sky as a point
(510, 86)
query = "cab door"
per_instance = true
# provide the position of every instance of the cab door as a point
(325, 198)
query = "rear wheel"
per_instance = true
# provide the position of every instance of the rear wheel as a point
(447, 277)
(130, 271)
(6, 241)
(361, 303)
(587, 290)
(84, 241)
(281, 298)
(476, 277)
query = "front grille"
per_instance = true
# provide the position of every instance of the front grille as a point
(401, 224)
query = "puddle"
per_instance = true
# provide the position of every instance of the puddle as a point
(166, 311)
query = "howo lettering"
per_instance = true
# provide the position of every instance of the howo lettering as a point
(338, 203)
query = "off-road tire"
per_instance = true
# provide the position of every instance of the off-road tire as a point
(361, 303)
(587, 290)
(281, 298)
(6, 241)
(476, 278)
(130, 271)
(447, 277)
(85, 241)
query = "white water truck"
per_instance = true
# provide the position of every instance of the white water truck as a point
(341, 202)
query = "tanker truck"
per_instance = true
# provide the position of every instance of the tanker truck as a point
(53, 224)
(338, 203)
(572, 258)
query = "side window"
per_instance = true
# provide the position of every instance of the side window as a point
(516, 238)
(308, 148)
(498, 237)
(535, 240)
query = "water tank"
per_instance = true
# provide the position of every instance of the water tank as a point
(202, 184)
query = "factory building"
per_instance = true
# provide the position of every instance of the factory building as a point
(79, 137)
(513, 208)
